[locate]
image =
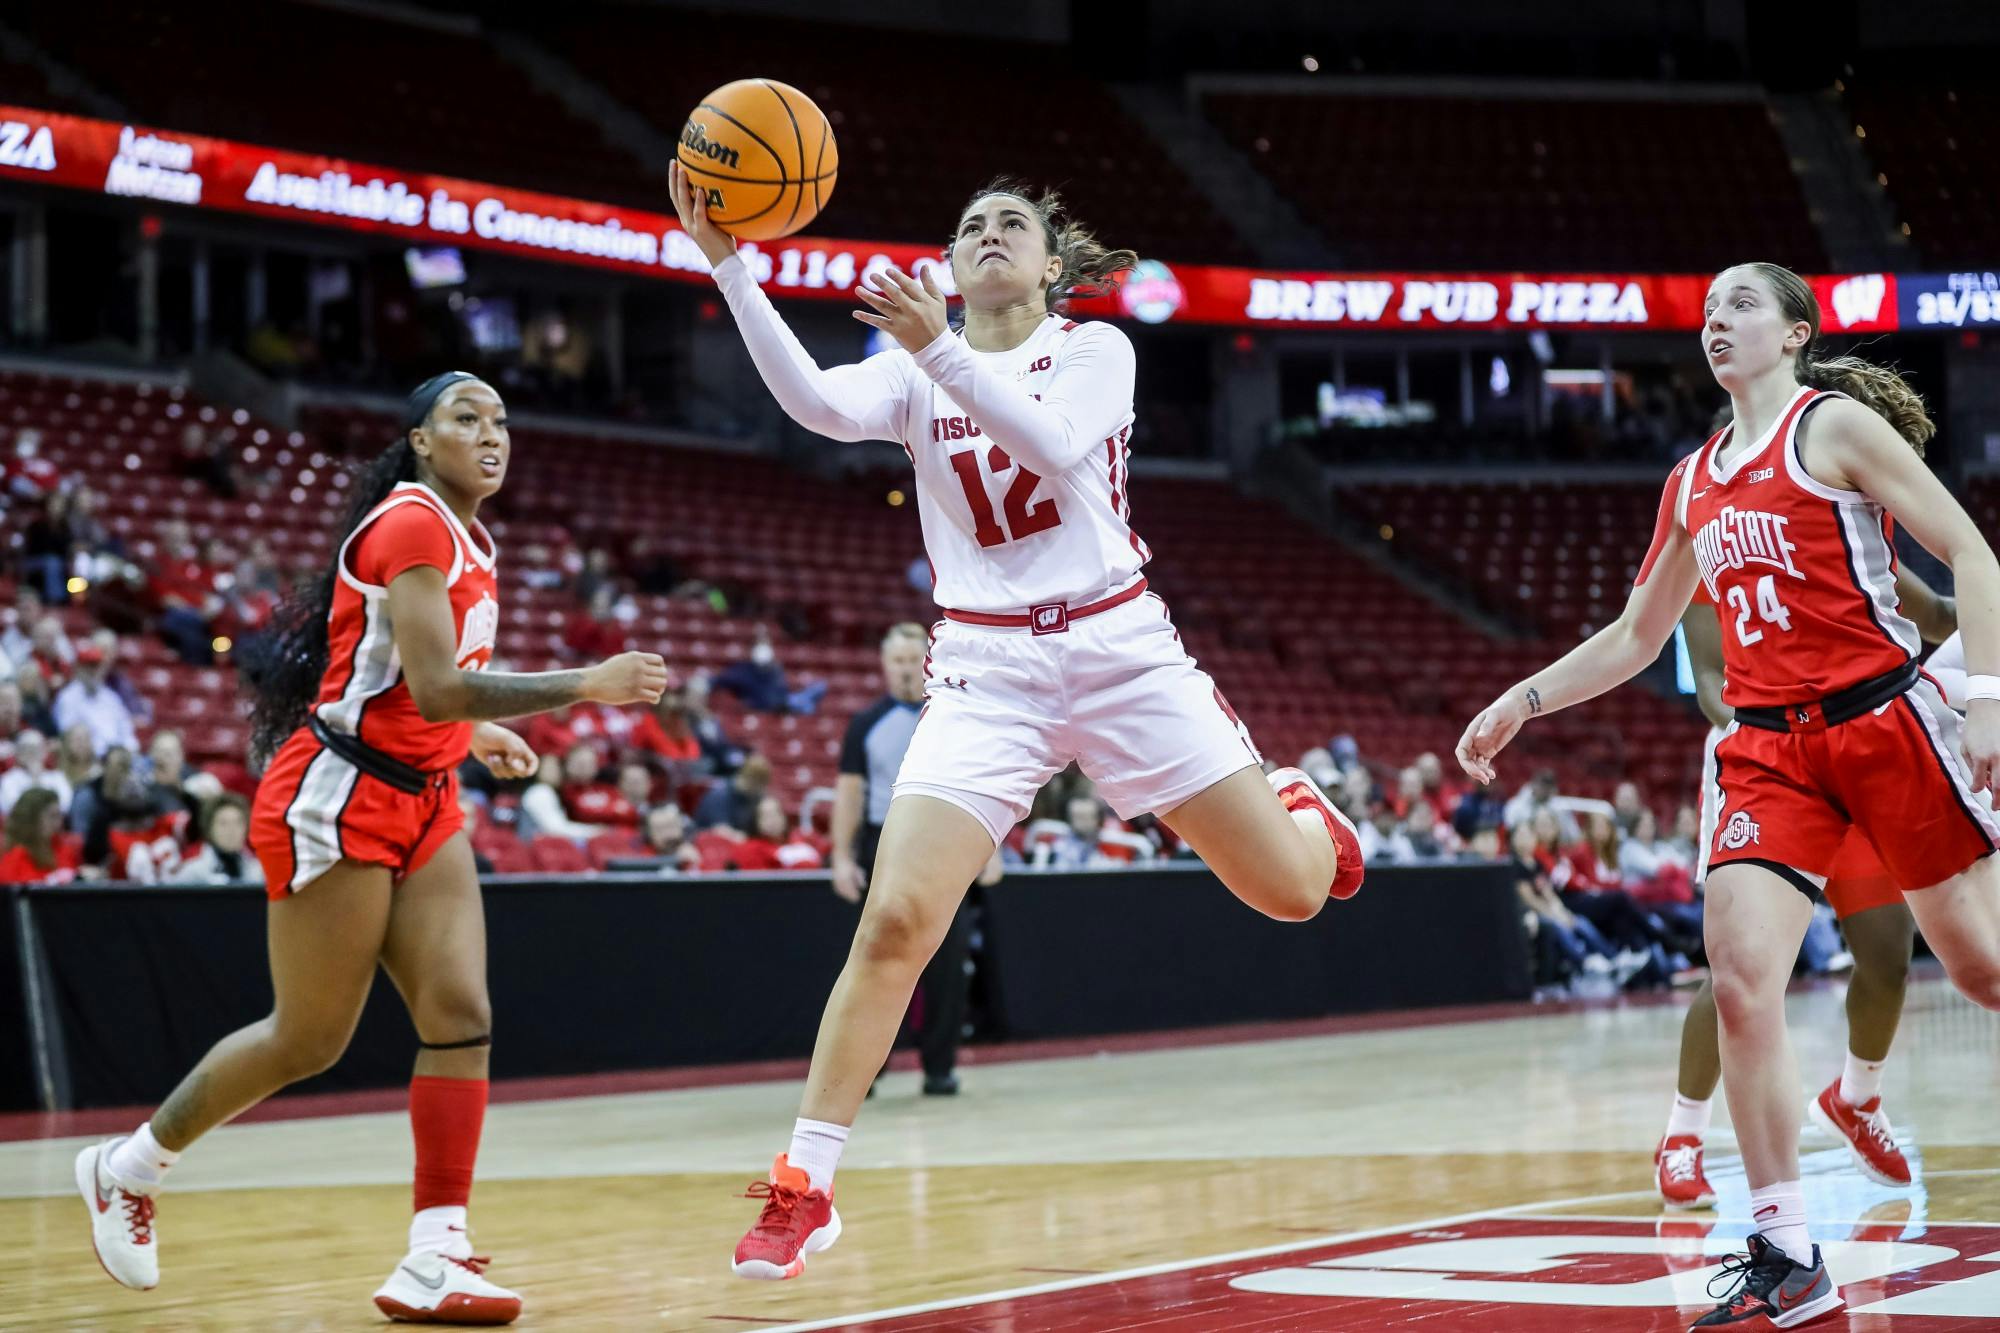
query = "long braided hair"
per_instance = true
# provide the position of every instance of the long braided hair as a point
(286, 668)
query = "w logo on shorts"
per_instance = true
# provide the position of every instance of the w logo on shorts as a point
(1050, 619)
(1740, 831)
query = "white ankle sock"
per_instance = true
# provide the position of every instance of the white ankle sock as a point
(816, 1149)
(140, 1160)
(1690, 1117)
(1779, 1214)
(1861, 1080)
(440, 1231)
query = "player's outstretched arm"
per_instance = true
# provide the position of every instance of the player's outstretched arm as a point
(1608, 658)
(864, 402)
(420, 610)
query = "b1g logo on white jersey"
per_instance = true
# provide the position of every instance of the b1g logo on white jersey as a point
(482, 629)
(1736, 537)
(1740, 831)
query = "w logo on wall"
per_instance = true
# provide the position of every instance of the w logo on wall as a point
(1858, 300)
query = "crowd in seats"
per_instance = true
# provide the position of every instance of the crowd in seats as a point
(1557, 184)
(906, 170)
(1933, 138)
(374, 88)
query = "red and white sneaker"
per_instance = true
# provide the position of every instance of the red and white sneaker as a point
(445, 1289)
(1300, 792)
(121, 1220)
(1682, 1182)
(797, 1220)
(1866, 1132)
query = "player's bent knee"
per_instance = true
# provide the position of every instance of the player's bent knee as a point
(303, 1050)
(1744, 994)
(894, 930)
(1980, 982)
(454, 1015)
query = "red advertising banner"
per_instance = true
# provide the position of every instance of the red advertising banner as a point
(201, 172)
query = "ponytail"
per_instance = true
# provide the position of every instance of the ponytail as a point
(285, 669)
(1878, 388)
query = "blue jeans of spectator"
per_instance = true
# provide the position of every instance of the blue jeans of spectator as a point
(188, 635)
(50, 574)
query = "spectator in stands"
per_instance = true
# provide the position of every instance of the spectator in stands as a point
(542, 805)
(258, 573)
(1482, 809)
(1409, 791)
(1382, 838)
(183, 585)
(733, 804)
(10, 721)
(114, 793)
(51, 652)
(599, 628)
(1428, 835)
(596, 573)
(1078, 848)
(76, 756)
(759, 681)
(225, 822)
(36, 714)
(773, 844)
(724, 755)
(1442, 792)
(38, 851)
(1658, 879)
(1536, 797)
(32, 771)
(1584, 873)
(665, 733)
(635, 784)
(588, 800)
(45, 549)
(1565, 944)
(1626, 806)
(210, 458)
(1686, 840)
(89, 702)
(17, 623)
(136, 703)
(664, 834)
(31, 477)
(1317, 764)
(653, 568)
(168, 781)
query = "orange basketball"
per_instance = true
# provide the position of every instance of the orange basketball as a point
(765, 155)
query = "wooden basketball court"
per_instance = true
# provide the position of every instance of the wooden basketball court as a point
(1448, 1176)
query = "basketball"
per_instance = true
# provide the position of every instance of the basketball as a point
(764, 154)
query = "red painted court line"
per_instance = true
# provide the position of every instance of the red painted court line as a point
(305, 1106)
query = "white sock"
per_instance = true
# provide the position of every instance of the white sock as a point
(1861, 1080)
(1690, 1117)
(816, 1149)
(1779, 1214)
(440, 1231)
(140, 1160)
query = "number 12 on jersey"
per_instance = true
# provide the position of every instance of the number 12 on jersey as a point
(1768, 608)
(1024, 519)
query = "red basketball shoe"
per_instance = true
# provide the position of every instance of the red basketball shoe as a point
(1866, 1131)
(797, 1220)
(1682, 1182)
(1300, 792)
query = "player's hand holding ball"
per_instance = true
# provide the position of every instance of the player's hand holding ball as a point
(1489, 733)
(908, 310)
(629, 678)
(505, 754)
(692, 207)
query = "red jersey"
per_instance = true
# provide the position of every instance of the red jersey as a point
(1802, 575)
(17, 867)
(364, 693)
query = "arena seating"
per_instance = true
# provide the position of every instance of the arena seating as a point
(26, 85)
(374, 89)
(1935, 140)
(1558, 184)
(913, 146)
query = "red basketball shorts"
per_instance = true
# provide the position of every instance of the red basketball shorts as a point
(1858, 881)
(315, 809)
(1894, 775)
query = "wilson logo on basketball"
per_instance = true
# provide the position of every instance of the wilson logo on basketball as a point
(1740, 831)
(696, 140)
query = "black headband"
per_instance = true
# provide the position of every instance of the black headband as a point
(424, 397)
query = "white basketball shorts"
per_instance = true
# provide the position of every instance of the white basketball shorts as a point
(1005, 710)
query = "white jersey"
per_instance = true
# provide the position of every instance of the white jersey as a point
(1020, 455)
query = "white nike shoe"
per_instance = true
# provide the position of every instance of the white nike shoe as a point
(121, 1220)
(440, 1289)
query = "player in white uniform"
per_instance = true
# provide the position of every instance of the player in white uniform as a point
(1050, 650)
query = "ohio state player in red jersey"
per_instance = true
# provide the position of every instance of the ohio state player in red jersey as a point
(1784, 516)
(374, 693)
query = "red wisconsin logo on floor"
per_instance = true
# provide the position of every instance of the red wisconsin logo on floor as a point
(1509, 1274)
